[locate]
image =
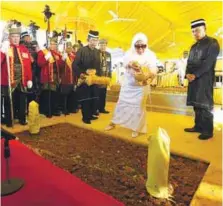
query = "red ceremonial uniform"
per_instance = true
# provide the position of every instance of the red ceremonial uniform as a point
(46, 66)
(67, 73)
(25, 60)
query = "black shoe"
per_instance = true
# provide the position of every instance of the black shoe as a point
(96, 114)
(94, 118)
(86, 121)
(205, 136)
(8, 124)
(74, 111)
(193, 129)
(22, 122)
(3, 120)
(49, 115)
(56, 114)
(104, 112)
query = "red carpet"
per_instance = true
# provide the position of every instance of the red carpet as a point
(46, 184)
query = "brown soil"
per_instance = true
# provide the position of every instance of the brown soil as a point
(111, 165)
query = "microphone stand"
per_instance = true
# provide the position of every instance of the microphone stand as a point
(10, 185)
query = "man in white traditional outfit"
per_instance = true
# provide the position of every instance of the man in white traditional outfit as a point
(130, 111)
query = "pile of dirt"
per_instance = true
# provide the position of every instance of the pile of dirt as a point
(111, 165)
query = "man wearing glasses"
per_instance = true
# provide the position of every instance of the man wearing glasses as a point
(87, 58)
(200, 74)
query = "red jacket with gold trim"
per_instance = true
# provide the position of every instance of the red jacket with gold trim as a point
(67, 73)
(25, 60)
(46, 66)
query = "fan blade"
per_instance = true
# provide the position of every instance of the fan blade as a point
(124, 19)
(172, 44)
(113, 14)
(109, 21)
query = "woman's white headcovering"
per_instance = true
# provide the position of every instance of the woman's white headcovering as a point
(139, 37)
(148, 58)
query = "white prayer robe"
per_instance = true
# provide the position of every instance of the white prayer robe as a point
(130, 110)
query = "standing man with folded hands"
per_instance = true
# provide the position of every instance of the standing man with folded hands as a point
(200, 74)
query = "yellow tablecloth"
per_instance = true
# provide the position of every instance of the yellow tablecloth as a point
(171, 80)
(218, 95)
(114, 78)
(167, 80)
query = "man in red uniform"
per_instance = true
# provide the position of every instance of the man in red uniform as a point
(19, 66)
(50, 61)
(68, 82)
(32, 46)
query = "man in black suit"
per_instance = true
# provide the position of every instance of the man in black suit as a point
(200, 73)
(87, 58)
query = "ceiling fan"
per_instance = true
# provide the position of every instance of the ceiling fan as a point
(173, 43)
(116, 17)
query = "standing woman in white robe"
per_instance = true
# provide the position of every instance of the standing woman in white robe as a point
(130, 111)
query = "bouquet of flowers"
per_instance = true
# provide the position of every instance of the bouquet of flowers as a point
(141, 73)
(91, 78)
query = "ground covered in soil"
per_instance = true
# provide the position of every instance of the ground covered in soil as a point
(111, 165)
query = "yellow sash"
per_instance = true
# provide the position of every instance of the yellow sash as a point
(68, 62)
(51, 60)
(11, 62)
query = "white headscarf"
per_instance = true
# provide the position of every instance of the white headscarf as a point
(147, 59)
